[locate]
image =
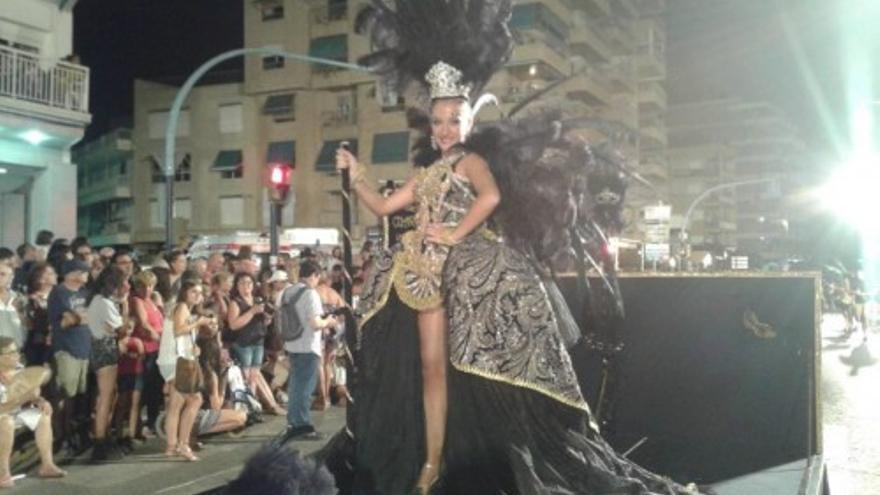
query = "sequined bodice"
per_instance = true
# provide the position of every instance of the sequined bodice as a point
(442, 197)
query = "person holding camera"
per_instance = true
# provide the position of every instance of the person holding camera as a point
(302, 325)
(247, 318)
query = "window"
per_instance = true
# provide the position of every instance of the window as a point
(273, 62)
(283, 152)
(184, 169)
(122, 167)
(280, 107)
(337, 9)
(329, 47)
(230, 118)
(229, 164)
(271, 10)
(183, 208)
(231, 211)
(391, 147)
(158, 124)
(327, 158)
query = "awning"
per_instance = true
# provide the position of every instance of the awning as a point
(227, 160)
(282, 152)
(330, 47)
(279, 104)
(327, 157)
(391, 147)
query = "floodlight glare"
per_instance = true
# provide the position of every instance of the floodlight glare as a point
(851, 194)
(34, 136)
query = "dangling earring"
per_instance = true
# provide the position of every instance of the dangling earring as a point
(434, 143)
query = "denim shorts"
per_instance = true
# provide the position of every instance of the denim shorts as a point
(249, 356)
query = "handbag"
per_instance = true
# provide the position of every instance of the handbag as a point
(188, 378)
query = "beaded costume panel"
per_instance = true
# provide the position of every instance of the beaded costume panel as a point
(501, 323)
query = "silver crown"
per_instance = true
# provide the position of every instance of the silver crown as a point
(445, 82)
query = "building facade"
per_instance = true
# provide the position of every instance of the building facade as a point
(104, 178)
(299, 113)
(43, 112)
(759, 142)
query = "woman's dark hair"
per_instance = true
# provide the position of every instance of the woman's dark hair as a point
(238, 278)
(163, 282)
(36, 273)
(44, 238)
(108, 282)
(185, 287)
(57, 254)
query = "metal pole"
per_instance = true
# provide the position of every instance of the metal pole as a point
(274, 216)
(346, 231)
(183, 92)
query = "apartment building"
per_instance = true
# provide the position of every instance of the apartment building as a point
(299, 113)
(104, 185)
(43, 112)
(764, 145)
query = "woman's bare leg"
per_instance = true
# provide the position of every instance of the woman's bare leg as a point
(172, 419)
(432, 338)
(7, 436)
(106, 377)
(134, 413)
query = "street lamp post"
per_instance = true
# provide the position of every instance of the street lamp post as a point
(184, 91)
(683, 235)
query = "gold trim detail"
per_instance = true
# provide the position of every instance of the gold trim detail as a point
(580, 405)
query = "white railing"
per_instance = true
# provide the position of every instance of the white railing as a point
(62, 85)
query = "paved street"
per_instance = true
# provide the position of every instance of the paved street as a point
(149, 472)
(851, 410)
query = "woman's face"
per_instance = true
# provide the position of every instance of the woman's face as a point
(194, 296)
(146, 291)
(9, 357)
(6, 275)
(49, 278)
(245, 286)
(450, 122)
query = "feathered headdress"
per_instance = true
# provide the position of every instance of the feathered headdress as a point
(451, 47)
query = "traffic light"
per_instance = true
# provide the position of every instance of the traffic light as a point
(279, 182)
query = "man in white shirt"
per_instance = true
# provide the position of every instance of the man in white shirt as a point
(304, 354)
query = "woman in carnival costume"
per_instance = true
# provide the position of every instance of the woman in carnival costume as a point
(466, 301)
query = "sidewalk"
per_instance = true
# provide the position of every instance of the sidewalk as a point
(148, 471)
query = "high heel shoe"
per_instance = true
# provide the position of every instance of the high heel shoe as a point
(433, 483)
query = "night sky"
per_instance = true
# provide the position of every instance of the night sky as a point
(121, 40)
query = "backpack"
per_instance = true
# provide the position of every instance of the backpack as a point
(287, 322)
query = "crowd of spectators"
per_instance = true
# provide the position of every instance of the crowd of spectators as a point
(165, 345)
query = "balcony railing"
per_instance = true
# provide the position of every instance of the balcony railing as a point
(24, 76)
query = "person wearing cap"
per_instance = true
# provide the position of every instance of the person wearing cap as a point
(71, 340)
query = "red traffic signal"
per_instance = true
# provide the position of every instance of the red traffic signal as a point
(279, 181)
